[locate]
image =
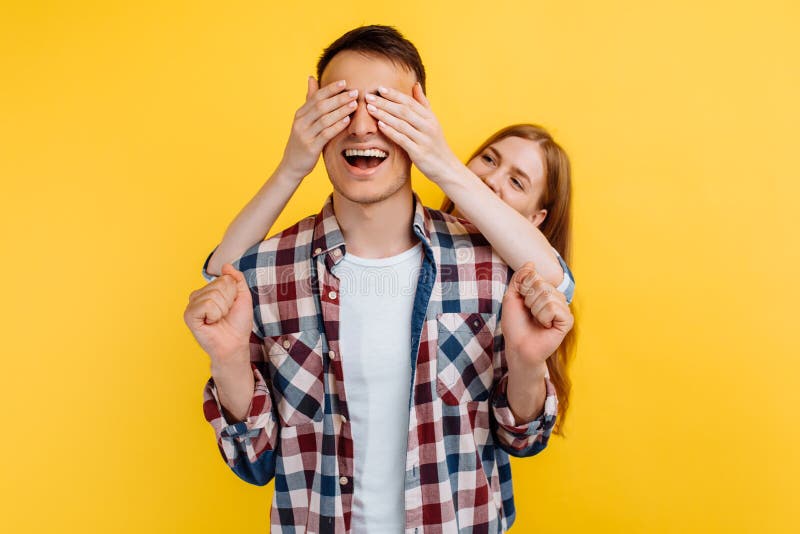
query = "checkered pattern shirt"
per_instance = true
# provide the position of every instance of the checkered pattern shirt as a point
(461, 430)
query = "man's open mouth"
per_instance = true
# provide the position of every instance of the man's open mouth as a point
(364, 159)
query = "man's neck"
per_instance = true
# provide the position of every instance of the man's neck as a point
(380, 229)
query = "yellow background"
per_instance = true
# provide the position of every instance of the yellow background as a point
(132, 133)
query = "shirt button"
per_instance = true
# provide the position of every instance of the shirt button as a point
(286, 344)
(343, 481)
(337, 252)
(317, 250)
(344, 419)
(332, 295)
(332, 355)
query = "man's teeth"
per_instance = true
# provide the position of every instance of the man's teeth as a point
(372, 152)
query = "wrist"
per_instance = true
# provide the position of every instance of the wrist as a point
(454, 178)
(285, 173)
(230, 366)
(526, 393)
(527, 374)
(522, 377)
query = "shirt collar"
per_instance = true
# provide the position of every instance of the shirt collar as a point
(328, 236)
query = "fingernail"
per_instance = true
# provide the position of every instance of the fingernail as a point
(371, 107)
(340, 83)
(370, 97)
(353, 93)
(382, 89)
(352, 104)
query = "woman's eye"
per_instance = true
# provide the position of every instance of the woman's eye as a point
(516, 183)
(487, 159)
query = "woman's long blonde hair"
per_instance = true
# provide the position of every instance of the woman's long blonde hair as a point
(556, 199)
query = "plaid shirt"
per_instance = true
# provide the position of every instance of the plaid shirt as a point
(461, 429)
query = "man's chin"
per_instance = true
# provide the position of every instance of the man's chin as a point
(369, 193)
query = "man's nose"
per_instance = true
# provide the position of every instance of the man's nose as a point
(361, 122)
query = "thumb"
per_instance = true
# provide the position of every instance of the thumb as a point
(313, 86)
(241, 283)
(419, 95)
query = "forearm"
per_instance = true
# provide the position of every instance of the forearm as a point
(514, 238)
(253, 222)
(526, 392)
(235, 385)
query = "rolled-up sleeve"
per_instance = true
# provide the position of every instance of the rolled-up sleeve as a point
(567, 285)
(248, 446)
(527, 438)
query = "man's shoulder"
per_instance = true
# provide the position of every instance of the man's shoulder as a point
(449, 232)
(472, 275)
(278, 271)
(282, 249)
(446, 226)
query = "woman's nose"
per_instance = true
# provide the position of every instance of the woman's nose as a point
(493, 180)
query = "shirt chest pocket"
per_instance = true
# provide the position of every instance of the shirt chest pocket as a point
(464, 363)
(295, 363)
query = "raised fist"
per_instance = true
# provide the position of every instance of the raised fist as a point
(220, 316)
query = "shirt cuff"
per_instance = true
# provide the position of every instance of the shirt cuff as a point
(542, 424)
(567, 285)
(208, 276)
(247, 434)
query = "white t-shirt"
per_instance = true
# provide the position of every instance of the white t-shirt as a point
(376, 303)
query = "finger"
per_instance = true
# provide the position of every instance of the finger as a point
(209, 311)
(531, 278)
(563, 319)
(330, 118)
(398, 124)
(329, 133)
(224, 284)
(547, 298)
(336, 101)
(238, 276)
(313, 87)
(221, 305)
(419, 96)
(542, 308)
(401, 98)
(202, 311)
(319, 95)
(536, 292)
(402, 141)
(400, 110)
(554, 314)
(546, 314)
(521, 275)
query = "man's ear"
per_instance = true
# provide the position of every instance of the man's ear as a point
(538, 217)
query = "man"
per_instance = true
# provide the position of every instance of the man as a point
(375, 409)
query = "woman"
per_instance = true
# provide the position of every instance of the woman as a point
(516, 182)
(549, 211)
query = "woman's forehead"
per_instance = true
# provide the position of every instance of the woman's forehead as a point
(522, 153)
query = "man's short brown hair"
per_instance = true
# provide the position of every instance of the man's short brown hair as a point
(384, 41)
